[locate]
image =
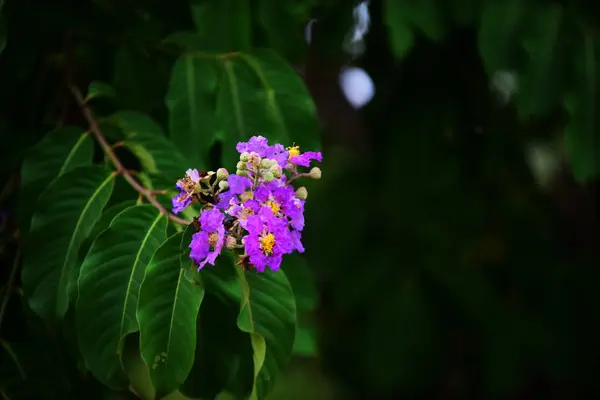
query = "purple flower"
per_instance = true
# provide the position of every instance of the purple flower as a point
(304, 159)
(283, 202)
(187, 186)
(208, 242)
(268, 240)
(260, 146)
(243, 211)
(180, 202)
(238, 184)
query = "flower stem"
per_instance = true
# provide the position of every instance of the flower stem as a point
(108, 150)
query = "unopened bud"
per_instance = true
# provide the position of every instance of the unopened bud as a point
(254, 158)
(302, 193)
(222, 174)
(267, 163)
(230, 242)
(241, 165)
(276, 171)
(268, 177)
(315, 173)
(223, 185)
(241, 172)
(245, 156)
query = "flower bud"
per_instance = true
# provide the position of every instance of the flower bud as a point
(302, 193)
(268, 177)
(315, 173)
(230, 242)
(241, 172)
(254, 159)
(245, 156)
(267, 163)
(223, 185)
(242, 165)
(222, 174)
(276, 171)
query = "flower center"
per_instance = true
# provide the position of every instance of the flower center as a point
(274, 207)
(246, 212)
(267, 242)
(213, 238)
(188, 184)
(294, 151)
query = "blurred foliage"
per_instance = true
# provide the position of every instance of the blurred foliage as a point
(443, 267)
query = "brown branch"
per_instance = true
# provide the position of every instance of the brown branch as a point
(106, 147)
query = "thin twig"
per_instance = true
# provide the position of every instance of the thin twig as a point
(106, 147)
(9, 285)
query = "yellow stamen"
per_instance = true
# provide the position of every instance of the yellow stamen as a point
(274, 206)
(294, 151)
(267, 243)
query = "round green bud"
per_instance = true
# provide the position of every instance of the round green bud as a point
(302, 193)
(223, 185)
(315, 173)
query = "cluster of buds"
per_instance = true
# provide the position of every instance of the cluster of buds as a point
(256, 212)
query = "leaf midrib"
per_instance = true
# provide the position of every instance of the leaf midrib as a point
(76, 231)
(133, 270)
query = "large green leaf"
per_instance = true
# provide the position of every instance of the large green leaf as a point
(167, 311)
(268, 314)
(223, 360)
(284, 22)
(502, 23)
(191, 101)
(541, 82)
(66, 214)
(583, 105)
(163, 162)
(109, 283)
(58, 152)
(225, 24)
(262, 94)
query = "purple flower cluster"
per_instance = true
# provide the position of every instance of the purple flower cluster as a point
(255, 212)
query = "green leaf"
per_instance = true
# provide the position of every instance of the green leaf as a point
(191, 101)
(226, 24)
(107, 217)
(66, 214)
(109, 283)
(159, 157)
(541, 83)
(223, 360)
(60, 151)
(262, 94)
(500, 30)
(167, 312)
(583, 104)
(268, 314)
(402, 16)
(284, 27)
(139, 78)
(100, 89)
